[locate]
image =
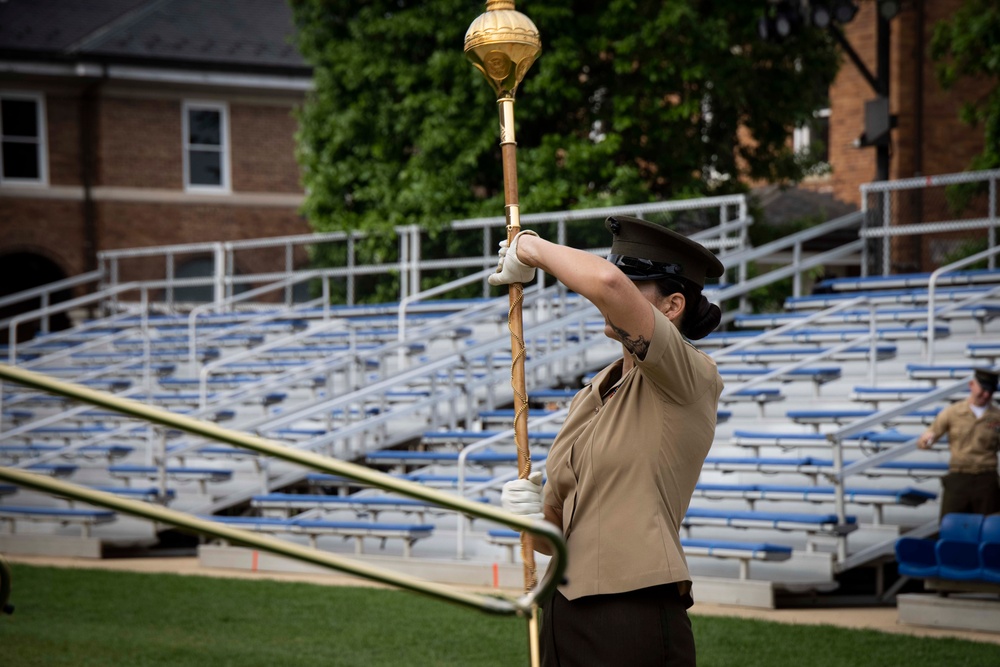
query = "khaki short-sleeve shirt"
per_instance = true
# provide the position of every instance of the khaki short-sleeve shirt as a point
(973, 443)
(623, 468)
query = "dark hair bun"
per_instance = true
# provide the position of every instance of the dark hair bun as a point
(702, 321)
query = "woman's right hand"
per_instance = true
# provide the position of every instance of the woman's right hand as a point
(511, 269)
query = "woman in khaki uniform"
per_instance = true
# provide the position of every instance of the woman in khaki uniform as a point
(625, 463)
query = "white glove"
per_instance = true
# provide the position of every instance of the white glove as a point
(510, 269)
(523, 497)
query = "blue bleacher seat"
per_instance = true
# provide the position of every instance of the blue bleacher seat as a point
(957, 548)
(53, 469)
(916, 558)
(461, 437)
(989, 549)
(967, 549)
(983, 351)
(906, 280)
(110, 451)
(819, 375)
(367, 504)
(904, 296)
(409, 533)
(84, 517)
(483, 457)
(902, 496)
(779, 520)
(150, 493)
(845, 415)
(941, 371)
(743, 551)
(809, 465)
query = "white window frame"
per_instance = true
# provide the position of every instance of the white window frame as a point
(802, 136)
(223, 109)
(42, 143)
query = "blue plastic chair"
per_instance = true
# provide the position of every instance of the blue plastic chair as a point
(916, 558)
(957, 548)
(989, 549)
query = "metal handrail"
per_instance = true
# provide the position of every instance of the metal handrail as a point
(64, 306)
(405, 303)
(841, 472)
(44, 291)
(932, 285)
(491, 604)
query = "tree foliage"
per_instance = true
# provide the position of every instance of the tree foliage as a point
(630, 101)
(968, 46)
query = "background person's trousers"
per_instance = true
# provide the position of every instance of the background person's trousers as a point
(970, 493)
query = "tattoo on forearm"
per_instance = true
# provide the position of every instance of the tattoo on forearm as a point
(637, 346)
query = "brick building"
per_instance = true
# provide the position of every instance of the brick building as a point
(928, 138)
(135, 122)
(144, 122)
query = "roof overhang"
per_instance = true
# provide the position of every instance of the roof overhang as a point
(149, 74)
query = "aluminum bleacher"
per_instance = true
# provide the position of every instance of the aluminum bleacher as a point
(421, 388)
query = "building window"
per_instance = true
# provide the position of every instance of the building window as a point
(22, 134)
(206, 147)
(813, 140)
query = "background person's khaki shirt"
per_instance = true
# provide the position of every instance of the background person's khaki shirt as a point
(973, 443)
(622, 470)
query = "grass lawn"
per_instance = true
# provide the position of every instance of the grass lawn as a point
(94, 617)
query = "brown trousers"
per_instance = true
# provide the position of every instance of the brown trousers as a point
(970, 493)
(649, 626)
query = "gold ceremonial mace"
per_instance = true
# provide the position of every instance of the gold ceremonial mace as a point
(503, 43)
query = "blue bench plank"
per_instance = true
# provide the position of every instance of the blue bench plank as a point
(860, 495)
(313, 528)
(841, 415)
(812, 465)
(726, 549)
(463, 436)
(485, 457)
(905, 296)
(942, 371)
(902, 280)
(67, 513)
(982, 313)
(777, 520)
(142, 493)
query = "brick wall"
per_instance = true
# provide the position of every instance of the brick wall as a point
(50, 228)
(138, 146)
(128, 225)
(263, 149)
(140, 143)
(62, 120)
(929, 138)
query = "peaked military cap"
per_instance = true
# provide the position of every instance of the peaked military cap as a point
(988, 380)
(647, 251)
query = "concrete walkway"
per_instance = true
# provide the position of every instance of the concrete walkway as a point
(883, 619)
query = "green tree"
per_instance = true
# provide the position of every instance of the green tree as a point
(630, 101)
(968, 46)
